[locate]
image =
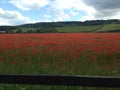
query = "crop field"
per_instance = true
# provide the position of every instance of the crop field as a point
(95, 54)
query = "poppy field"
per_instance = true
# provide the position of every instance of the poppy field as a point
(95, 54)
(69, 54)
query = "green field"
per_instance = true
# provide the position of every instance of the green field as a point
(109, 27)
(95, 28)
(86, 29)
(46, 87)
(78, 28)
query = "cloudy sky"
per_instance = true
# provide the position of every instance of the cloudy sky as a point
(15, 12)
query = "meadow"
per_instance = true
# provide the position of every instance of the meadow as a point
(96, 54)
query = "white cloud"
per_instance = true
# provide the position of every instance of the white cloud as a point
(29, 4)
(4, 22)
(105, 9)
(12, 18)
(57, 7)
(73, 13)
(47, 16)
(94, 9)
(91, 7)
(87, 17)
(60, 15)
(73, 6)
(62, 10)
(66, 4)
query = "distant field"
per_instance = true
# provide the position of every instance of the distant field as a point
(75, 29)
(60, 54)
(95, 28)
(78, 28)
(109, 27)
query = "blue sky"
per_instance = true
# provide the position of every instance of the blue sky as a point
(15, 12)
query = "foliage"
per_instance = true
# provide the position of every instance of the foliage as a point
(19, 31)
(46, 30)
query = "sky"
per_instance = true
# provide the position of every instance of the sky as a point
(16, 12)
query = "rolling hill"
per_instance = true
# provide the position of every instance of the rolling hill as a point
(65, 27)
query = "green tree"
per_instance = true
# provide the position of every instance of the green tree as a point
(19, 31)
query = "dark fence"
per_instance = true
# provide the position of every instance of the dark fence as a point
(86, 81)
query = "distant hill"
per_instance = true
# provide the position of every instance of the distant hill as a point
(112, 25)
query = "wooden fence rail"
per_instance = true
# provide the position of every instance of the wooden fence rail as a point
(86, 81)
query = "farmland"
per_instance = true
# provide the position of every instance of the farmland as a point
(91, 26)
(61, 54)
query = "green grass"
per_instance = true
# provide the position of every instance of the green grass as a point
(95, 28)
(27, 29)
(78, 28)
(109, 27)
(46, 87)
